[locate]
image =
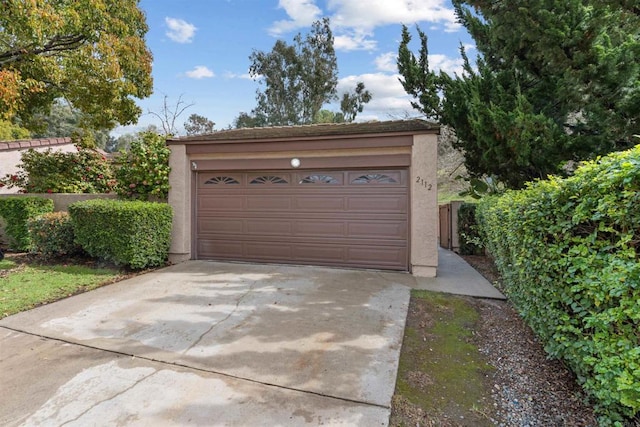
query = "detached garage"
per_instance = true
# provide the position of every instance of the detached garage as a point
(357, 195)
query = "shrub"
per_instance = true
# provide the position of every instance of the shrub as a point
(132, 233)
(569, 254)
(85, 171)
(52, 235)
(144, 169)
(470, 242)
(17, 211)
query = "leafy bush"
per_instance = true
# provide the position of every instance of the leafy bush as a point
(470, 242)
(132, 233)
(569, 253)
(85, 171)
(52, 235)
(16, 212)
(144, 169)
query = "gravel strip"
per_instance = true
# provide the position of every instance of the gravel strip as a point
(528, 388)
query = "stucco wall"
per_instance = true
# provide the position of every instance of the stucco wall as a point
(10, 158)
(180, 201)
(424, 205)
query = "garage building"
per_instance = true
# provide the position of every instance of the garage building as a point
(359, 195)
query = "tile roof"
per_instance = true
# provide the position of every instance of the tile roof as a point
(24, 144)
(313, 131)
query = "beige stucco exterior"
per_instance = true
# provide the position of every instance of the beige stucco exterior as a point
(11, 152)
(180, 201)
(424, 205)
(420, 152)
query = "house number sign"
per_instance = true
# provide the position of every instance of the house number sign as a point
(423, 183)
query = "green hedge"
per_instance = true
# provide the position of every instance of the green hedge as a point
(16, 211)
(569, 254)
(132, 233)
(52, 235)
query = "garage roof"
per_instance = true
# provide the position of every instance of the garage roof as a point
(312, 131)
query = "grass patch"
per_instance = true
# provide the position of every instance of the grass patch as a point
(442, 375)
(7, 264)
(25, 286)
(445, 197)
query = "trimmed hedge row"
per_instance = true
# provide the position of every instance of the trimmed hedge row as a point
(569, 254)
(17, 211)
(133, 233)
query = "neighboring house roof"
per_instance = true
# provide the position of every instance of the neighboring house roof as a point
(313, 131)
(24, 144)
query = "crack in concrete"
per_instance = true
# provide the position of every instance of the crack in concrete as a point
(208, 371)
(225, 319)
(120, 393)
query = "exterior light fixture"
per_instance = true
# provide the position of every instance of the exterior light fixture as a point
(295, 162)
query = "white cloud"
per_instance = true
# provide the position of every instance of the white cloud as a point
(366, 15)
(180, 31)
(389, 100)
(354, 41)
(438, 62)
(302, 13)
(200, 72)
(354, 21)
(387, 62)
(230, 75)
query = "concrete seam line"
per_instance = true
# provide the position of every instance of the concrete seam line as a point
(180, 365)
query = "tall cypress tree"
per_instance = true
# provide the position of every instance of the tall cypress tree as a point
(555, 81)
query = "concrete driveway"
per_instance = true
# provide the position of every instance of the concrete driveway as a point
(211, 344)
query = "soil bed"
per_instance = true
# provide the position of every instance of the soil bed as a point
(519, 385)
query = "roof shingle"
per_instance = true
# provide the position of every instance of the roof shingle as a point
(312, 131)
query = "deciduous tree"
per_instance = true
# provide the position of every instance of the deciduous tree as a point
(90, 52)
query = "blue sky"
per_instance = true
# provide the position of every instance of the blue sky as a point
(201, 49)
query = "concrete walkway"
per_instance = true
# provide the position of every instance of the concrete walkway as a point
(456, 276)
(217, 344)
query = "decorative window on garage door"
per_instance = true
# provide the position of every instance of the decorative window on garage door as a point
(375, 178)
(269, 179)
(320, 179)
(221, 180)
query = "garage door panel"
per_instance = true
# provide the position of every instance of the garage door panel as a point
(324, 254)
(220, 225)
(320, 228)
(383, 255)
(378, 203)
(275, 202)
(220, 202)
(220, 249)
(266, 227)
(279, 239)
(320, 203)
(378, 229)
(268, 250)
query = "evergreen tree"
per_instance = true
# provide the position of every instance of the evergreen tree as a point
(555, 81)
(299, 79)
(198, 125)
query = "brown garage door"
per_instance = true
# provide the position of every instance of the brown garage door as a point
(354, 218)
